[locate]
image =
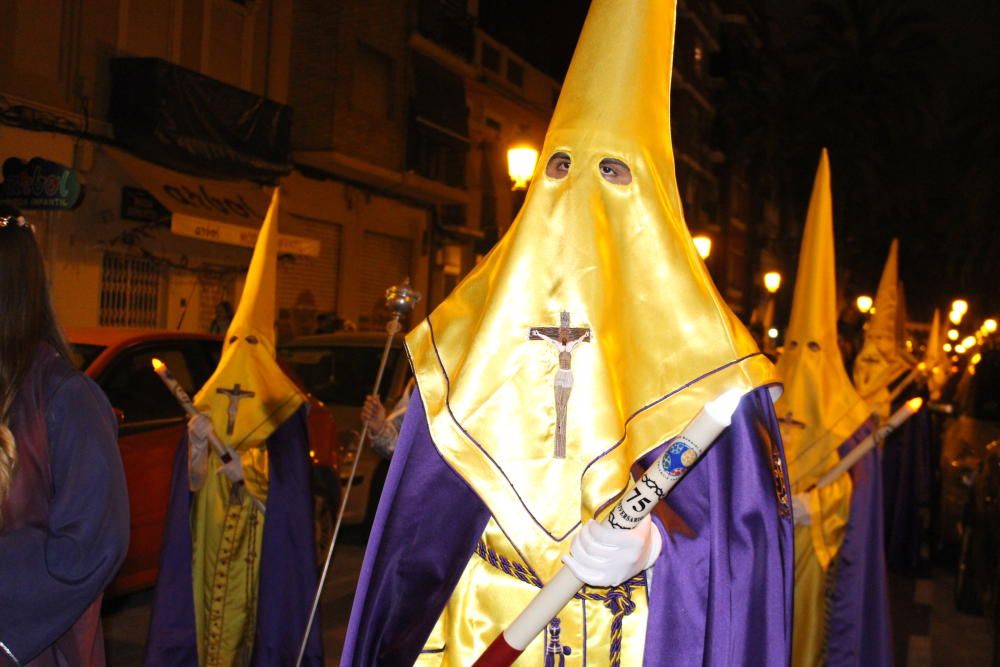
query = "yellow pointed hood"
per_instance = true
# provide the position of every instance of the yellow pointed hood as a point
(249, 395)
(820, 408)
(620, 261)
(879, 362)
(935, 363)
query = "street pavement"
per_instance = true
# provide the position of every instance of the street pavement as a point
(927, 630)
(126, 620)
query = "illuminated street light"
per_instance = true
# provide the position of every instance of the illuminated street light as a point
(969, 341)
(955, 317)
(772, 281)
(976, 358)
(952, 334)
(703, 245)
(864, 303)
(990, 325)
(946, 347)
(960, 306)
(772, 333)
(960, 349)
(521, 162)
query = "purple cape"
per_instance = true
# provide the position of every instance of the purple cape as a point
(906, 473)
(722, 588)
(287, 564)
(858, 630)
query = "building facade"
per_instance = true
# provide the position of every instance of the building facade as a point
(386, 123)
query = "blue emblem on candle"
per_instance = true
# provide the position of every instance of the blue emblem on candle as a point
(679, 457)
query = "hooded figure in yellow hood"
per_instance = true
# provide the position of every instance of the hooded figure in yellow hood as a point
(820, 411)
(239, 535)
(585, 341)
(879, 363)
(935, 363)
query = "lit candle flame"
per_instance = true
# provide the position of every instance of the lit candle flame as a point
(914, 403)
(158, 365)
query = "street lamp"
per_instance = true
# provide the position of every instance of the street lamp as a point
(990, 325)
(703, 244)
(946, 347)
(952, 334)
(955, 317)
(969, 341)
(864, 303)
(772, 281)
(960, 306)
(521, 162)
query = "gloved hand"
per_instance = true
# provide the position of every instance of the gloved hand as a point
(198, 429)
(604, 556)
(800, 509)
(373, 414)
(234, 469)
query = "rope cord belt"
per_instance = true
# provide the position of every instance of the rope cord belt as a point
(617, 599)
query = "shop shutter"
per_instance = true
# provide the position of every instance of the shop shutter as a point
(386, 260)
(307, 286)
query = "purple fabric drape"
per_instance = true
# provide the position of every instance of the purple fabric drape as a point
(66, 526)
(858, 631)
(287, 567)
(906, 474)
(721, 594)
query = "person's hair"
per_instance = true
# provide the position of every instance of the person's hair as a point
(27, 320)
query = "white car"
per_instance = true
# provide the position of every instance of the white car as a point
(339, 369)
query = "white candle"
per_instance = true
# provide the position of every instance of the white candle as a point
(909, 409)
(678, 457)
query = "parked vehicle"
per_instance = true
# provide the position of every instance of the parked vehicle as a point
(976, 422)
(151, 424)
(977, 584)
(339, 369)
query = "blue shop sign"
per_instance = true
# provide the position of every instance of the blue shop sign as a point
(39, 184)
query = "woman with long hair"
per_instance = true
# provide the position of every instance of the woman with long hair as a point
(63, 503)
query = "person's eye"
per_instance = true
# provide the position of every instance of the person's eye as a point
(558, 165)
(615, 171)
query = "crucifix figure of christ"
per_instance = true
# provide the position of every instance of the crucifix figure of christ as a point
(565, 339)
(235, 393)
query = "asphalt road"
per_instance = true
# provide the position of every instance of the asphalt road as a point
(928, 631)
(126, 620)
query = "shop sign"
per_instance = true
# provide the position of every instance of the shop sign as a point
(140, 206)
(221, 232)
(39, 184)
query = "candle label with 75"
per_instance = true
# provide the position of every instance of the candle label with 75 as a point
(678, 458)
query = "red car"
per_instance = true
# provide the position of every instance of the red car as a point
(152, 422)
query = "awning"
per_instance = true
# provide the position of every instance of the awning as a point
(228, 212)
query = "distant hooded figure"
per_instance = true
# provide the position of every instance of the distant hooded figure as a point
(238, 568)
(64, 522)
(841, 596)
(586, 340)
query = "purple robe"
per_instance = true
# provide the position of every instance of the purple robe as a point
(66, 524)
(906, 471)
(722, 587)
(287, 566)
(858, 631)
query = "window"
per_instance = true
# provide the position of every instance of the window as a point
(134, 388)
(490, 58)
(371, 88)
(342, 376)
(515, 73)
(130, 292)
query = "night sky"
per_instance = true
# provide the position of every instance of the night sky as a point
(906, 96)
